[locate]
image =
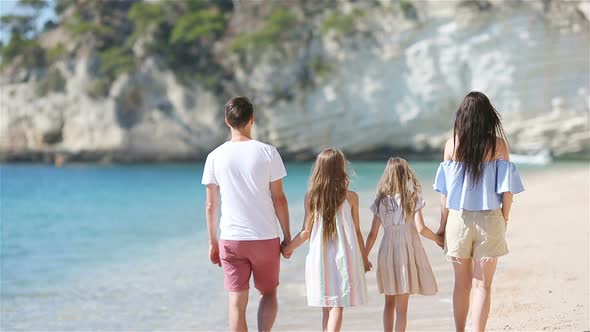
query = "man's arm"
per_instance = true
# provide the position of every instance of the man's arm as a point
(212, 216)
(279, 201)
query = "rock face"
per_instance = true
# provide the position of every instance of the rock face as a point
(393, 84)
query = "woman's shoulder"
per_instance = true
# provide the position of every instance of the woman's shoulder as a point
(449, 149)
(502, 150)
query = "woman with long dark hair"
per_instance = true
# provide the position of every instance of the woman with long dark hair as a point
(477, 182)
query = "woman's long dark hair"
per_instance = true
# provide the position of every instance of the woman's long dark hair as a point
(477, 128)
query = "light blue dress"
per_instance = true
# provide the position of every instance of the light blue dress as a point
(498, 176)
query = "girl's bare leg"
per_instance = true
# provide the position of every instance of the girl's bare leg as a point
(401, 312)
(463, 274)
(335, 319)
(325, 316)
(388, 310)
(483, 273)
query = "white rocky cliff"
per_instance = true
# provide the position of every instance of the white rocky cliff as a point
(393, 84)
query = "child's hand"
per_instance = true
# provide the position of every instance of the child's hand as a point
(440, 240)
(368, 265)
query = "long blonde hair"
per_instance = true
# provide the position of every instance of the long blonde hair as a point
(327, 190)
(399, 178)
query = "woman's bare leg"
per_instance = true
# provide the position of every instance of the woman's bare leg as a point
(388, 311)
(483, 273)
(463, 274)
(401, 312)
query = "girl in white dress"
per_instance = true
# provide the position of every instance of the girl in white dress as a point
(336, 263)
(402, 267)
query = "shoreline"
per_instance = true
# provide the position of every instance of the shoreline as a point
(132, 157)
(124, 157)
(155, 162)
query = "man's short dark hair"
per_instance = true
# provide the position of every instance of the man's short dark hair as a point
(238, 112)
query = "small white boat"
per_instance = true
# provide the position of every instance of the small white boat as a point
(543, 157)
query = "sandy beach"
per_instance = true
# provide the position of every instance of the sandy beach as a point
(542, 284)
(151, 272)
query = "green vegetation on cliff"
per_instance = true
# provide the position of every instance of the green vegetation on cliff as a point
(23, 45)
(189, 37)
(279, 23)
(181, 33)
(341, 24)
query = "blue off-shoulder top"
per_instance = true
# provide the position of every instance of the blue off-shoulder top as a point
(498, 176)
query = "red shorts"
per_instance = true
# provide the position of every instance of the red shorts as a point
(240, 259)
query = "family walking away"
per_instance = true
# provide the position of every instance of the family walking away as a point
(476, 181)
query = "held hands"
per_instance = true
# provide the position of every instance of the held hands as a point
(368, 265)
(441, 232)
(214, 253)
(440, 241)
(284, 249)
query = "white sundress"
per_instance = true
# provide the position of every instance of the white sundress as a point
(402, 266)
(334, 271)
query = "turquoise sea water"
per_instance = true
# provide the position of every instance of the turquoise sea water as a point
(94, 247)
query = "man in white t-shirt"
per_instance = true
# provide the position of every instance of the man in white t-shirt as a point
(247, 175)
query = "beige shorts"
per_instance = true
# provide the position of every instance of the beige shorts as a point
(475, 234)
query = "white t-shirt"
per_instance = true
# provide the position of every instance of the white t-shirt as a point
(243, 171)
